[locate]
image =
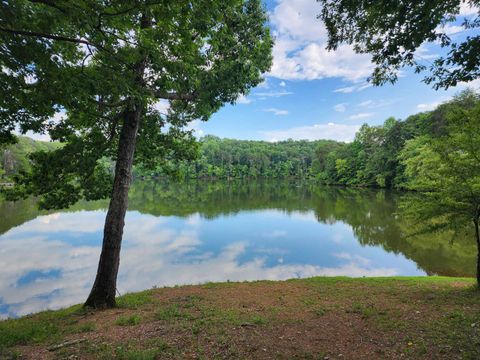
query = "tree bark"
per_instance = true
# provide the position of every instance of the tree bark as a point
(477, 234)
(104, 288)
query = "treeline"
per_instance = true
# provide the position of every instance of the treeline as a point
(373, 158)
(228, 158)
(386, 156)
(377, 157)
(14, 158)
(389, 156)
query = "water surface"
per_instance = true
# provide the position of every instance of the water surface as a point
(216, 231)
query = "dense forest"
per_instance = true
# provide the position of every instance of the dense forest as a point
(399, 154)
(387, 156)
(228, 158)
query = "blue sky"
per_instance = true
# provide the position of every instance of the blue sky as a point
(314, 94)
(311, 93)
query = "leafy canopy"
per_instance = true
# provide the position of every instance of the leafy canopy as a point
(447, 167)
(78, 61)
(393, 31)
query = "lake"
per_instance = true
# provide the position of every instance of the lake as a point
(196, 232)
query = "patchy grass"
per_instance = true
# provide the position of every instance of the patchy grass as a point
(135, 300)
(85, 327)
(38, 328)
(317, 318)
(131, 320)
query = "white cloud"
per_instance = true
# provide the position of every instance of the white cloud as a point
(374, 104)
(340, 107)
(330, 131)
(283, 84)
(313, 61)
(428, 106)
(345, 90)
(162, 106)
(366, 103)
(474, 84)
(449, 29)
(275, 234)
(354, 258)
(300, 41)
(353, 88)
(424, 53)
(298, 20)
(37, 136)
(274, 94)
(55, 119)
(360, 116)
(195, 125)
(242, 99)
(264, 84)
(155, 252)
(466, 9)
(277, 112)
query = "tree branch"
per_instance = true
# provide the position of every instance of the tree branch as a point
(46, 36)
(176, 96)
(49, 3)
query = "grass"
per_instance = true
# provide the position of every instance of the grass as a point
(169, 313)
(86, 327)
(38, 328)
(135, 300)
(131, 320)
(397, 317)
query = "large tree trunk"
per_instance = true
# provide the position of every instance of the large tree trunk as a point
(104, 288)
(103, 291)
(477, 234)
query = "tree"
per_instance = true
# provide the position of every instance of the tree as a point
(447, 169)
(393, 31)
(105, 65)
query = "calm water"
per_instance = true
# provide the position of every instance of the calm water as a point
(216, 231)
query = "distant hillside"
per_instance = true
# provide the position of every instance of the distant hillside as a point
(230, 158)
(14, 158)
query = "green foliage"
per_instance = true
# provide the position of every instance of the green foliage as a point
(372, 158)
(421, 164)
(393, 31)
(447, 169)
(14, 158)
(227, 158)
(402, 154)
(95, 63)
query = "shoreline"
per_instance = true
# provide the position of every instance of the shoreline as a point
(313, 318)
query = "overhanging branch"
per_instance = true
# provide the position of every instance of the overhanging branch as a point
(48, 3)
(175, 96)
(46, 36)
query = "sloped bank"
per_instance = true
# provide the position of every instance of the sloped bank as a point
(316, 318)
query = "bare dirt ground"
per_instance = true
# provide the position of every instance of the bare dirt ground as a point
(319, 318)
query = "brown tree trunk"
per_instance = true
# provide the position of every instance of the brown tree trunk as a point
(477, 234)
(104, 288)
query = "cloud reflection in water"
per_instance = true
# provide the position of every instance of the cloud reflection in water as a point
(50, 262)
